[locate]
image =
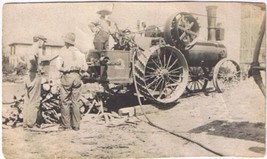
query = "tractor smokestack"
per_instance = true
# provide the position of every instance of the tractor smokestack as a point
(211, 12)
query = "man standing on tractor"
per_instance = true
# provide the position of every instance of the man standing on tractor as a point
(72, 63)
(31, 110)
(102, 29)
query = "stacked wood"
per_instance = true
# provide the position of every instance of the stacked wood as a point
(14, 115)
(50, 105)
(91, 102)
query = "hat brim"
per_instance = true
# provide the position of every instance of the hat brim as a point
(68, 41)
(44, 39)
(39, 37)
(104, 12)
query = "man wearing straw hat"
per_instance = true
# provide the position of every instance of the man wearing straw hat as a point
(72, 63)
(101, 28)
(31, 111)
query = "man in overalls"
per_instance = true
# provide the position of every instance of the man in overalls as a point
(101, 28)
(31, 111)
(72, 63)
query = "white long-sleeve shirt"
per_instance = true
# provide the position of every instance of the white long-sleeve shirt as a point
(71, 59)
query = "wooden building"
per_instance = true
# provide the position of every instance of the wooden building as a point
(251, 19)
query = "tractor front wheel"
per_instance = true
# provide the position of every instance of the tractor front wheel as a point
(198, 79)
(227, 74)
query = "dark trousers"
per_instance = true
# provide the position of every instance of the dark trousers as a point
(70, 109)
(101, 40)
(101, 45)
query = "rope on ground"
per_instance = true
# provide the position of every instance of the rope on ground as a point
(161, 128)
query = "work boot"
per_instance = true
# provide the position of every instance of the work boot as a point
(38, 126)
(75, 128)
(61, 128)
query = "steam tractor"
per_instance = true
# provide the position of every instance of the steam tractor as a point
(161, 66)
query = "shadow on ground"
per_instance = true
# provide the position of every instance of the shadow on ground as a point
(260, 150)
(239, 130)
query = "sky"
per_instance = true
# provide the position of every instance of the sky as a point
(22, 21)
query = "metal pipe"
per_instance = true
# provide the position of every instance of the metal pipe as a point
(211, 12)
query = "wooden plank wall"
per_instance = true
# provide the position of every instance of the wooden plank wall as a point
(251, 19)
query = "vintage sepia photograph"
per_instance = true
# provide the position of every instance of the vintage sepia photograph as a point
(133, 79)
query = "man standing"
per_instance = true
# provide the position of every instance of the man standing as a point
(72, 63)
(101, 28)
(31, 111)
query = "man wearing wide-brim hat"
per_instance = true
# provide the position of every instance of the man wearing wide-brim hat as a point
(71, 65)
(39, 37)
(101, 28)
(31, 111)
(104, 12)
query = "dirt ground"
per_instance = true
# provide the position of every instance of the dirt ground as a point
(232, 124)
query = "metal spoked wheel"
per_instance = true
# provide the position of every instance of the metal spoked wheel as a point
(197, 79)
(227, 75)
(164, 74)
(181, 31)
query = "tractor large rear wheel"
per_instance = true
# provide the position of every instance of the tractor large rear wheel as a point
(161, 74)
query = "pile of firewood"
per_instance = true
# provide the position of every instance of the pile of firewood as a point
(90, 102)
(50, 106)
(14, 115)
